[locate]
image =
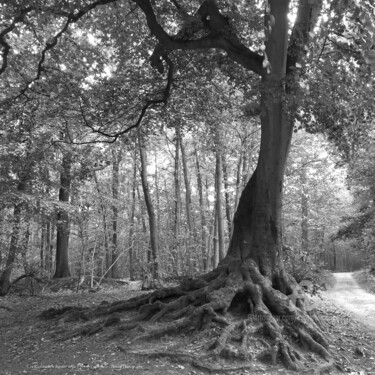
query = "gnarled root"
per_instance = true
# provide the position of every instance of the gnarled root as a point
(246, 318)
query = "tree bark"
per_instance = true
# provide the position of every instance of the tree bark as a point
(154, 240)
(43, 241)
(177, 189)
(63, 225)
(304, 210)
(14, 245)
(189, 215)
(116, 160)
(219, 206)
(104, 219)
(132, 218)
(202, 210)
(226, 195)
(257, 221)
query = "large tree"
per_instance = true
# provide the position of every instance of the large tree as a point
(250, 279)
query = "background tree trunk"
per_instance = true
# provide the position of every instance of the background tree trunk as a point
(304, 210)
(202, 210)
(63, 226)
(189, 215)
(177, 202)
(104, 219)
(116, 160)
(226, 195)
(132, 218)
(13, 246)
(219, 206)
(154, 241)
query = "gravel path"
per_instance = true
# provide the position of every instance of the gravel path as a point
(350, 296)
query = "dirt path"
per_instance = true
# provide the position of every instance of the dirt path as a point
(349, 295)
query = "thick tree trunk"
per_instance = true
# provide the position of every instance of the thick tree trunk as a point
(257, 221)
(63, 225)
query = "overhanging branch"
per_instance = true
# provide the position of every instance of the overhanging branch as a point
(151, 103)
(209, 19)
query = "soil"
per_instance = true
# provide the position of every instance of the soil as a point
(30, 345)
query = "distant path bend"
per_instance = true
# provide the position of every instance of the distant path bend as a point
(349, 295)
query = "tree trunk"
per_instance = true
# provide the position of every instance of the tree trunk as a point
(226, 195)
(202, 209)
(177, 189)
(132, 218)
(157, 190)
(219, 205)
(49, 246)
(116, 160)
(43, 241)
(304, 210)
(14, 245)
(257, 221)
(189, 215)
(63, 225)
(104, 219)
(154, 240)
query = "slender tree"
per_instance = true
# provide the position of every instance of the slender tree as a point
(63, 224)
(116, 160)
(154, 238)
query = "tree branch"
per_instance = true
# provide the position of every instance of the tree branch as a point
(307, 16)
(71, 18)
(208, 18)
(112, 137)
(7, 30)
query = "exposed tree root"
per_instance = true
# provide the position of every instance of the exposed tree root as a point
(188, 359)
(248, 318)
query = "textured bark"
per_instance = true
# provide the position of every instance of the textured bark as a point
(13, 247)
(63, 226)
(104, 220)
(177, 195)
(132, 218)
(202, 210)
(116, 160)
(189, 215)
(219, 205)
(304, 210)
(226, 195)
(154, 240)
(257, 221)
(43, 240)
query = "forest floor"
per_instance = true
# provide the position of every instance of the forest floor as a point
(27, 345)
